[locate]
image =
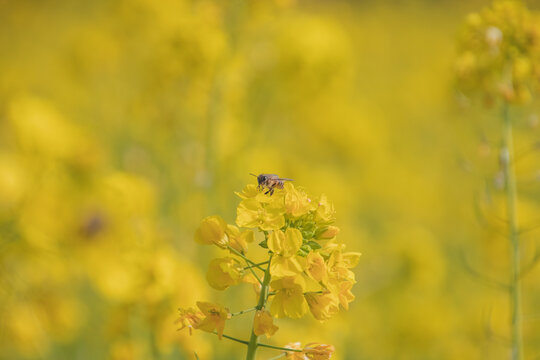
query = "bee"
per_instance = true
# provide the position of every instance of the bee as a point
(270, 182)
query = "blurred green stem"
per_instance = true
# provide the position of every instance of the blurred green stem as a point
(252, 346)
(513, 235)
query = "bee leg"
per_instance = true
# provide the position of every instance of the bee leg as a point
(272, 192)
(266, 193)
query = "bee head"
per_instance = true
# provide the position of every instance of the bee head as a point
(261, 179)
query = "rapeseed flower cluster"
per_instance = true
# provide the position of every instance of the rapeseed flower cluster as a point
(307, 269)
(499, 53)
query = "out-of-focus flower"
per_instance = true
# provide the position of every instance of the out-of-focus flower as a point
(215, 317)
(264, 324)
(224, 272)
(189, 318)
(317, 351)
(499, 53)
(295, 355)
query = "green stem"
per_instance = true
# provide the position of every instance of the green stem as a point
(279, 348)
(252, 345)
(257, 265)
(232, 338)
(244, 257)
(255, 275)
(513, 236)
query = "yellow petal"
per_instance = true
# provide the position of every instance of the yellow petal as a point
(264, 324)
(212, 231)
(292, 243)
(275, 241)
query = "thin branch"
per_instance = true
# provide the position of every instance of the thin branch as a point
(255, 275)
(257, 265)
(531, 265)
(279, 348)
(485, 279)
(253, 264)
(531, 149)
(243, 311)
(528, 229)
(231, 338)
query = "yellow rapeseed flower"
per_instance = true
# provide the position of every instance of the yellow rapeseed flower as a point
(189, 318)
(499, 53)
(215, 317)
(330, 233)
(317, 351)
(342, 289)
(254, 214)
(322, 306)
(285, 245)
(224, 272)
(325, 212)
(297, 202)
(289, 300)
(316, 267)
(211, 231)
(295, 355)
(239, 240)
(264, 324)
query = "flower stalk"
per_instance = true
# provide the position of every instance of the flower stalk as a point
(252, 345)
(513, 236)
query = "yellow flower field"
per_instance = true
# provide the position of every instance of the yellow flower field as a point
(406, 224)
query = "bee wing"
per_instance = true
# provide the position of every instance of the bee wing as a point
(285, 179)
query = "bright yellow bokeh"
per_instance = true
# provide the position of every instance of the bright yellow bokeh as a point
(123, 124)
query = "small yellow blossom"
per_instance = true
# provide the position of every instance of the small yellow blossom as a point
(264, 324)
(215, 317)
(238, 240)
(297, 202)
(254, 214)
(499, 52)
(317, 351)
(316, 268)
(295, 355)
(224, 272)
(330, 233)
(289, 300)
(322, 306)
(342, 289)
(252, 192)
(339, 264)
(325, 212)
(285, 245)
(211, 231)
(189, 318)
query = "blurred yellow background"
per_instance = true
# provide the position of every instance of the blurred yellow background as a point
(124, 123)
